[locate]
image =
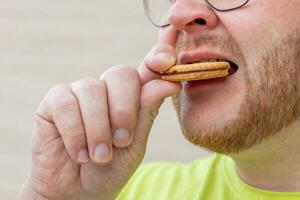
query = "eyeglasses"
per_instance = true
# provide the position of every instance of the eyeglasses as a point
(158, 10)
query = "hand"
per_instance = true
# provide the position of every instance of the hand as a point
(90, 136)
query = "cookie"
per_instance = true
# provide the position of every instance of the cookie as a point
(196, 71)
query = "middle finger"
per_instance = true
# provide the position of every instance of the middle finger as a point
(91, 94)
(123, 91)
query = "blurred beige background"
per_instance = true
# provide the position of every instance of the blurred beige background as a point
(47, 42)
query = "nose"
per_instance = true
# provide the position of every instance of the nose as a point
(188, 15)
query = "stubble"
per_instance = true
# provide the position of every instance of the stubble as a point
(272, 101)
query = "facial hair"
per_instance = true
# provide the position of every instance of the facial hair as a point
(272, 100)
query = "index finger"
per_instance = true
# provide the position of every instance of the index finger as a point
(161, 57)
(168, 35)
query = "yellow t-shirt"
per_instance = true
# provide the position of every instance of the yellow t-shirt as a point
(212, 178)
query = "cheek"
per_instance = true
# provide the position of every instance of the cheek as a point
(253, 29)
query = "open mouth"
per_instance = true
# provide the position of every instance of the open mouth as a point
(233, 67)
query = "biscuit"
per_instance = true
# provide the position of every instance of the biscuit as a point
(196, 71)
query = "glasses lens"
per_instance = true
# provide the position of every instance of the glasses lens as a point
(157, 11)
(226, 4)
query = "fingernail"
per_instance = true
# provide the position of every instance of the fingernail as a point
(122, 137)
(166, 58)
(83, 156)
(102, 153)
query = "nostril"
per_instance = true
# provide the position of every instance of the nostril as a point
(200, 21)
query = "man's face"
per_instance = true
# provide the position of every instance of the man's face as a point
(263, 96)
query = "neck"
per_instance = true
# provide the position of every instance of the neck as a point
(275, 163)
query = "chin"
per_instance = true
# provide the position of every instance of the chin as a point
(211, 113)
(213, 104)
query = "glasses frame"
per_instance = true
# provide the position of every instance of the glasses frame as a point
(207, 1)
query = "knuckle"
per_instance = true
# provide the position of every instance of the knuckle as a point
(74, 141)
(123, 68)
(52, 93)
(74, 137)
(94, 85)
(120, 71)
(131, 74)
(122, 111)
(88, 84)
(59, 97)
(75, 133)
(127, 69)
(68, 103)
(98, 131)
(57, 89)
(56, 92)
(44, 110)
(65, 102)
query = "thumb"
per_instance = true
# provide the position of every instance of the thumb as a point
(153, 94)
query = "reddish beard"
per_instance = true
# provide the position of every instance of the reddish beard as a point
(272, 99)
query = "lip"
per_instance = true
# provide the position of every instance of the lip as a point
(190, 86)
(186, 57)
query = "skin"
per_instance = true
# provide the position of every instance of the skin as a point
(73, 119)
(256, 111)
(234, 99)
